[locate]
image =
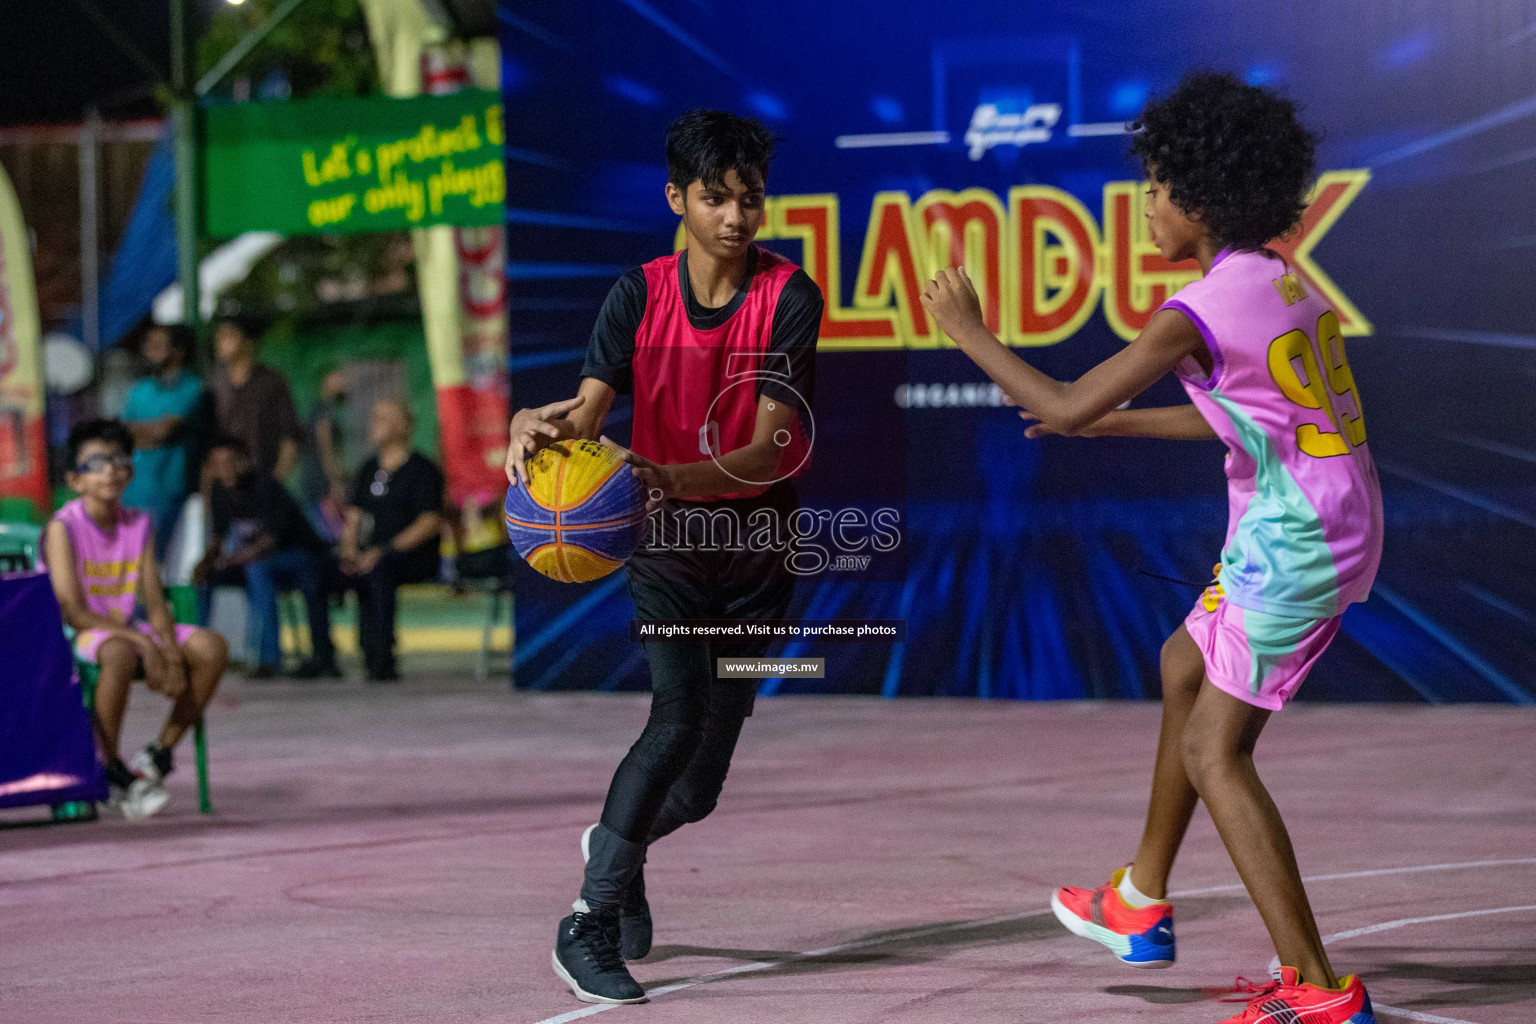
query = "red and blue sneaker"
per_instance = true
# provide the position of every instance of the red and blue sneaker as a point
(1288, 1001)
(1141, 937)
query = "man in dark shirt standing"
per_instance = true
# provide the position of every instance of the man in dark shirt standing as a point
(259, 527)
(252, 401)
(717, 343)
(394, 518)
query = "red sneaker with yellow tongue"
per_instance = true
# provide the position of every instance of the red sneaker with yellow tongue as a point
(1289, 1001)
(1139, 936)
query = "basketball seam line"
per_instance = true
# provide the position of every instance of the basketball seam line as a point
(560, 506)
(578, 526)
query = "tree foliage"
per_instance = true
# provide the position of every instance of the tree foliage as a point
(321, 49)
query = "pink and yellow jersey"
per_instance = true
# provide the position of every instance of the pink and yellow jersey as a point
(106, 562)
(1305, 528)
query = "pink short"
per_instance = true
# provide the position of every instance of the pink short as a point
(1255, 656)
(88, 642)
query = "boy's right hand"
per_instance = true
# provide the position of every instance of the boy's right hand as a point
(531, 430)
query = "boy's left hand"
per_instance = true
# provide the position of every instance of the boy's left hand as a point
(657, 480)
(951, 300)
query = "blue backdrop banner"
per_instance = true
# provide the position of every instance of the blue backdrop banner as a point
(918, 137)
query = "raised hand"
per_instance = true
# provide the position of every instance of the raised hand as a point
(950, 298)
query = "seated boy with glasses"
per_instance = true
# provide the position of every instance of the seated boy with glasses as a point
(101, 559)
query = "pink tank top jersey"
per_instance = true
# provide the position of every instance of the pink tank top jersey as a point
(695, 390)
(1305, 524)
(107, 562)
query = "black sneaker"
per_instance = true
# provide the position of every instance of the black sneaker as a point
(634, 915)
(586, 957)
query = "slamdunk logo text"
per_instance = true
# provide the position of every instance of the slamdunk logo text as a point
(1040, 260)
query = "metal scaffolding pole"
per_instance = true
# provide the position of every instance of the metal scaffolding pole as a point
(184, 132)
(90, 241)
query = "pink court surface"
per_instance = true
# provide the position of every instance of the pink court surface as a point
(403, 854)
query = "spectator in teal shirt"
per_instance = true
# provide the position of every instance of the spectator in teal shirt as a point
(158, 412)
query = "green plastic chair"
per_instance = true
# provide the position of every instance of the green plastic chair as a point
(20, 546)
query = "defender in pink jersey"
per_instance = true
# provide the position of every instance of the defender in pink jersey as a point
(101, 560)
(1262, 359)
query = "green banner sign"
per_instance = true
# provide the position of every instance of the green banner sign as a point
(342, 165)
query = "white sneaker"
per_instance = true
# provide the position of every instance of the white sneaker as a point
(139, 800)
(143, 765)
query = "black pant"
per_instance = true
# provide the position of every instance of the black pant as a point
(674, 772)
(376, 602)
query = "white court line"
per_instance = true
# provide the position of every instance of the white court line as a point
(1389, 925)
(700, 979)
(914, 933)
(1376, 872)
(1394, 1011)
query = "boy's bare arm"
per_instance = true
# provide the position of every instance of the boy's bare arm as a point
(152, 595)
(169, 676)
(758, 462)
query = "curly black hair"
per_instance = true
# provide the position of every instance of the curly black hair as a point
(1233, 154)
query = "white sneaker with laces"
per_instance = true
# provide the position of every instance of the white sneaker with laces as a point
(140, 800)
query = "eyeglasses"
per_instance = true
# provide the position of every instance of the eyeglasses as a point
(99, 463)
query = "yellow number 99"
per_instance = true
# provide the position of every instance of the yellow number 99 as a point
(1309, 389)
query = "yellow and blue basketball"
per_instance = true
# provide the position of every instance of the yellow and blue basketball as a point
(580, 515)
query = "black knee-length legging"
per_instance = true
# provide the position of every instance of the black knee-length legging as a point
(674, 772)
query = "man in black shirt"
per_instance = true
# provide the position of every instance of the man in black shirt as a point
(394, 516)
(259, 527)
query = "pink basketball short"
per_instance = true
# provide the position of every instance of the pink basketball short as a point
(88, 642)
(1255, 656)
